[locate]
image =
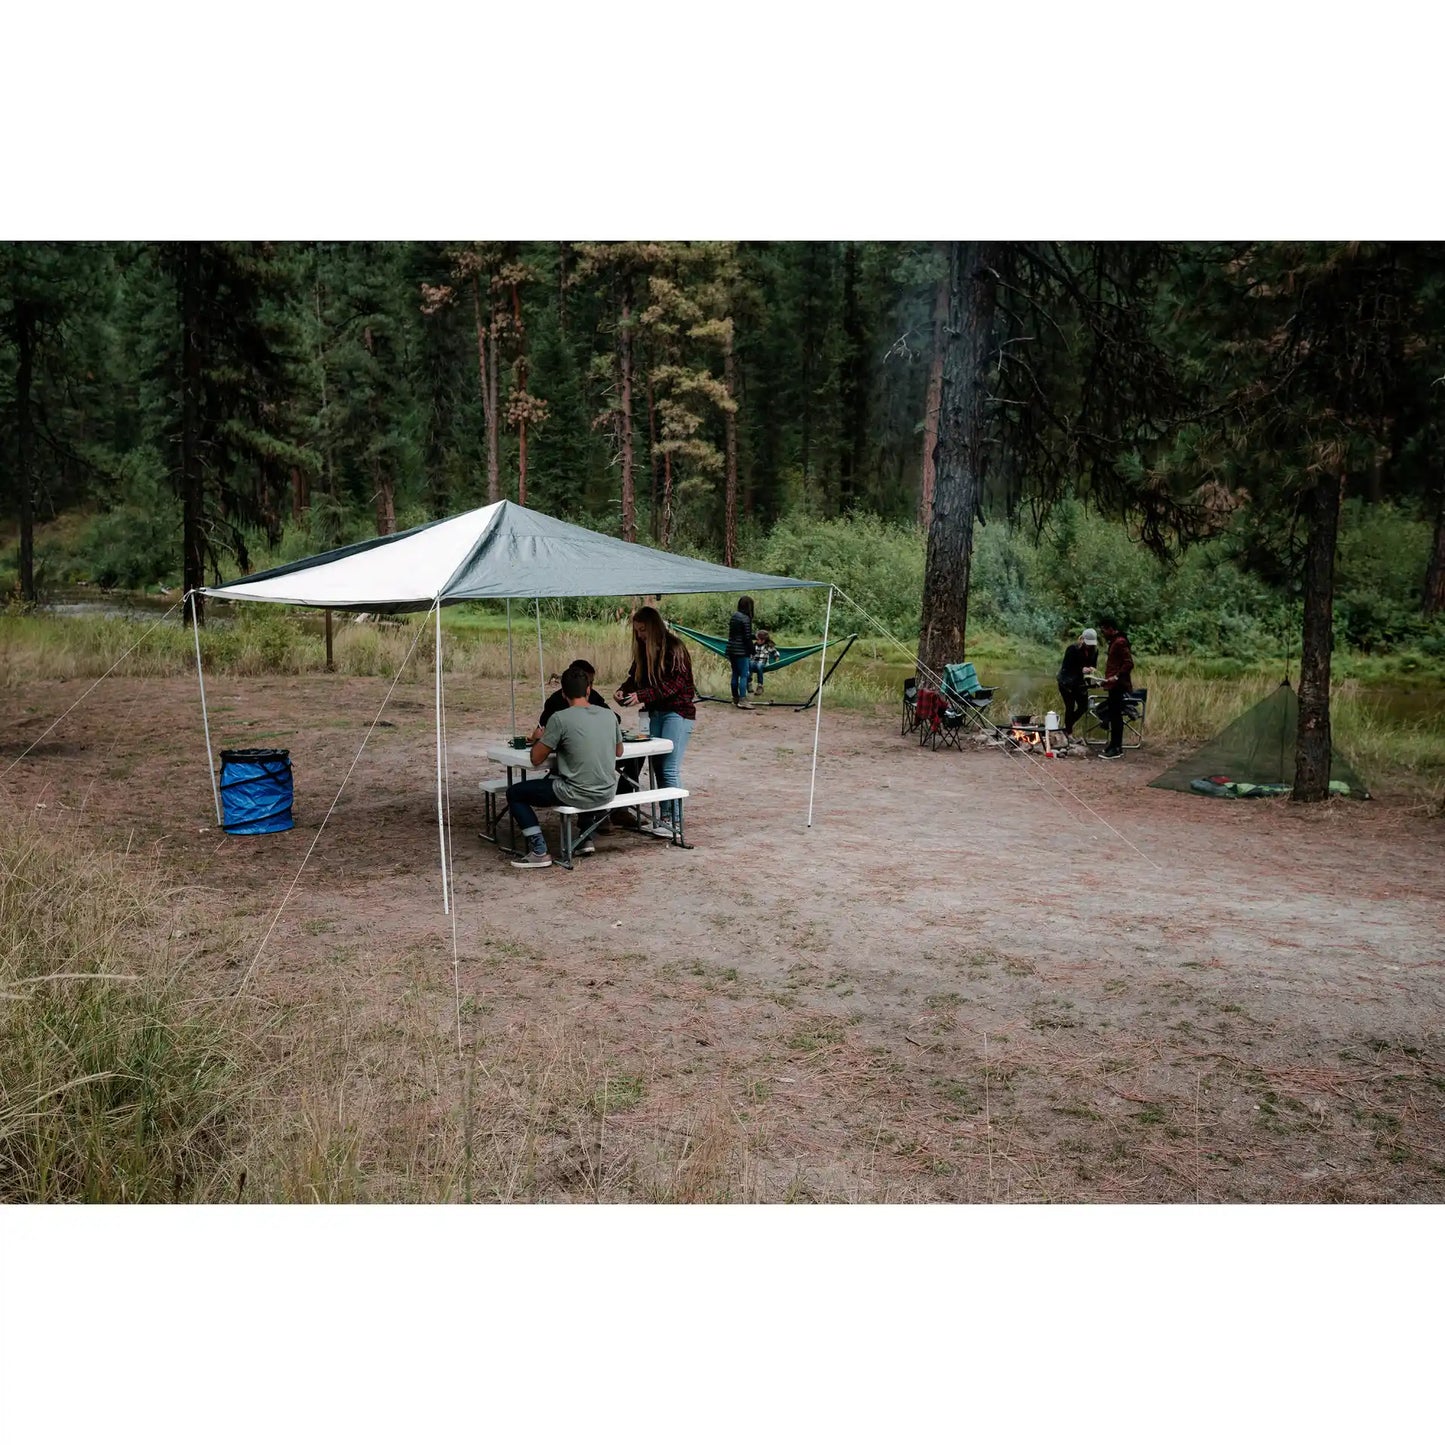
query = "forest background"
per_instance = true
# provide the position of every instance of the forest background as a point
(1138, 429)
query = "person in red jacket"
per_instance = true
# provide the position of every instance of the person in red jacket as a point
(1119, 680)
(661, 680)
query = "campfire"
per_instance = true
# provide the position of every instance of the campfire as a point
(1029, 735)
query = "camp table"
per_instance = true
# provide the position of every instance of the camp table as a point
(518, 760)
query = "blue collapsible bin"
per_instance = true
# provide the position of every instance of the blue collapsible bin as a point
(256, 790)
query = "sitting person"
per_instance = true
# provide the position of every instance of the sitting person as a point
(558, 700)
(587, 741)
(1074, 673)
(763, 652)
(631, 769)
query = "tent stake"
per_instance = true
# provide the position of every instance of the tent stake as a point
(441, 824)
(205, 718)
(818, 718)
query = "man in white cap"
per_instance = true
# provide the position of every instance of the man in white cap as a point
(1079, 660)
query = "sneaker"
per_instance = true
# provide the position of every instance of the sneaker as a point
(587, 849)
(745, 705)
(1112, 753)
(657, 830)
(534, 857)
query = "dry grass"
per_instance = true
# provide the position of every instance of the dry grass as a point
(114, 1087)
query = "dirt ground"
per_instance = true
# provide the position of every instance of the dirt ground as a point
(975, 977)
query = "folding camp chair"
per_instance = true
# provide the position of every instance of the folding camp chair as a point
(937, 720)
(964, 696)
(1094, 725)
(910, 706)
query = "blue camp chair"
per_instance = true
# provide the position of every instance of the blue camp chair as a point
(968, 701)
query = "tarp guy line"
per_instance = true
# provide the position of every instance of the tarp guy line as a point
(89, 690)
(252, 969)
(205, 718)
(818, 721)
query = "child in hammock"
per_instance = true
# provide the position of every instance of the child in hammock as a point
(763, 652)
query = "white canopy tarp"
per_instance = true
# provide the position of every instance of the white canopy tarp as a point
(503, 552)
(499, 551)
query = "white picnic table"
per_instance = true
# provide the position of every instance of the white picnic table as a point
(518, 763)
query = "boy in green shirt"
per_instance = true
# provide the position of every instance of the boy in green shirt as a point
(587, 742)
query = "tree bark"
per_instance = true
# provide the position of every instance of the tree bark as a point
(854, 386)
(624, 356)
(930, 412)
(730, 427)
(25, 482)
(383, 492)
(652, 457)
(1433, 600)
(959, 463)
(483, 377)
(494, 420)
(521, 387)
(666, 534)
(1312, 742)
(192, 478)
(300, 495)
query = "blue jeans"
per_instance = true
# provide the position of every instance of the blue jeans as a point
(742, 670)
(526, 797)
(677, 730)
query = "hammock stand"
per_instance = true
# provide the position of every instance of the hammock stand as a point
(787, 656)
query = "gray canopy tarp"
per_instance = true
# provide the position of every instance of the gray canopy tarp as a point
(498, 551)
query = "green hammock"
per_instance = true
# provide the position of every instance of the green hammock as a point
(786, 657)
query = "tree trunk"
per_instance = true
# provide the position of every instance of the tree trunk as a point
(1312, 743)
(494, 420)
(193, 565)
(730, 426)
(25, 482)
(930, 406)
(652, 457)
(521, 336)
(300, 495)
(624, 354)
(562, 289)
(382, 490)
(854, 386)
(968, 353)
(666, 498)
(1433, 600)
(490, 417)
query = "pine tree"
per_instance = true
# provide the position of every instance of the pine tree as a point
(43, 289)
(622, 268)
(239, 364)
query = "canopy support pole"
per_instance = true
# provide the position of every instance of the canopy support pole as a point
(541, 666)
(441, 818)
(205, 717)
(818, 718)
(511, 667)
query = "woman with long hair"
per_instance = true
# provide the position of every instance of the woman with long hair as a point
(741, 638)
(661, 681)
